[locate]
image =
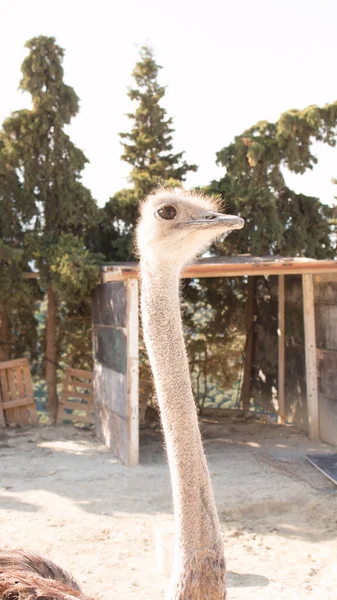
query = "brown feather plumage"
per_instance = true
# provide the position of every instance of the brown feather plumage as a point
(28, 576)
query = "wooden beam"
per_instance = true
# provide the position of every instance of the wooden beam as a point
(133, 371)
(17, 362)
(231, 270)
(87, 408)
(17, 403)
(79, 395)
(281, 350)
(235, 266)
(237, 270)
(89, 375)
(310, 356)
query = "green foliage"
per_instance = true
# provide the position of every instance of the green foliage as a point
(278, 220)
(148, 150)
(114, 237)
(49, 218)
(17, 330)
(214, 338)
(59, 211)
(17, 300)
(74, 269)
(74, 274)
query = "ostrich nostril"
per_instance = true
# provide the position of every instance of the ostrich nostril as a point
(210, 217)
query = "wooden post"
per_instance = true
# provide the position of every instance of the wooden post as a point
(247, 373)
(115, 343)
(5, 334)
(2, 414)
(310, 355)
(281, 350)
(51, 355)
(133, 370)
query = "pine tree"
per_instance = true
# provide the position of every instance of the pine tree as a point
(49, 166)
(148, 148)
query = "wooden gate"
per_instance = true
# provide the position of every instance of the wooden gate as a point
(17, 406)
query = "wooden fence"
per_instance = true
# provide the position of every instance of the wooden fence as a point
(77, 396)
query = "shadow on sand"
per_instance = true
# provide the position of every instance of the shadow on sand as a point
(236, 580)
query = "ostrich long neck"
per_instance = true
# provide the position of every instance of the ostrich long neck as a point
(197, 527)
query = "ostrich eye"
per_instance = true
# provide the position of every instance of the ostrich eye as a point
(167, 212)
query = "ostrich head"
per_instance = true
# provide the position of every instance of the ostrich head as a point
(179, 225)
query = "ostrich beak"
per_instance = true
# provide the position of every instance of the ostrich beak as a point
(211, 219)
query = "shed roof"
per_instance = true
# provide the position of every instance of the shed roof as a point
(224, 266)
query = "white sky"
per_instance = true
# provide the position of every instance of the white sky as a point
(227, 64)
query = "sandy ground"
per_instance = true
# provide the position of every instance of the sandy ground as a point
(63, 494)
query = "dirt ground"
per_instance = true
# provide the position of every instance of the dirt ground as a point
(65, 495)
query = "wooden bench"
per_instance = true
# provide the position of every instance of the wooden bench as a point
(17, 405)
(77, 396)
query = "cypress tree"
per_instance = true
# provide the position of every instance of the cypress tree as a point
(18, 334)
(49, 167)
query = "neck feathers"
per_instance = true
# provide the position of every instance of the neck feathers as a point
(197, 528)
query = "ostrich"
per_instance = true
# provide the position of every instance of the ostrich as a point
(174, 227)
